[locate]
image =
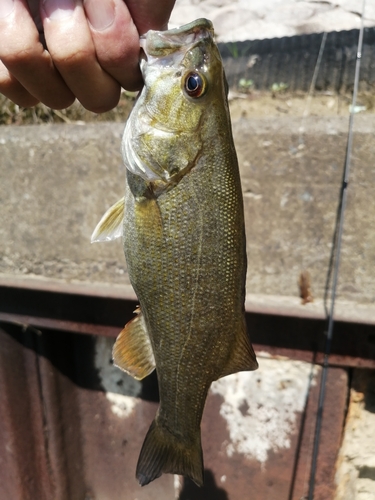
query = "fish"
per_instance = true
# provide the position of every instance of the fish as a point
(182, 224)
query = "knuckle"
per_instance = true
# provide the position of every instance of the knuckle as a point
(71, 60)
(19, 56)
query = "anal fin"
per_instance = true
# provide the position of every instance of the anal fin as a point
(132, 351)
(242, 357)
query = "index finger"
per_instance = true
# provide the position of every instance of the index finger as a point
(115, 29)
(116, 40)
(70, 44)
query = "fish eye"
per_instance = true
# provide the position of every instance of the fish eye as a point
(194, 84)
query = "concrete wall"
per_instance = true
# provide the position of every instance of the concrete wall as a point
(56, 182)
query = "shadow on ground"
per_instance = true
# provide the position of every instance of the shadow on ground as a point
(210, 490)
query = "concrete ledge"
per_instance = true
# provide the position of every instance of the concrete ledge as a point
(345, 311)
(57, 181)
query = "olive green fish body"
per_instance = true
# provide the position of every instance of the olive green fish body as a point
(184, 242)
(189, 278)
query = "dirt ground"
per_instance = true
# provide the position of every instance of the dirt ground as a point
(266, 104)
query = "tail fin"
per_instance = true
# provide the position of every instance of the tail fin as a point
(162, 452)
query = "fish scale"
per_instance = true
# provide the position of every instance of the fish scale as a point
(184, 243)
(188, 309)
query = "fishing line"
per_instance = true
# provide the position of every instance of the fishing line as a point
(340, 224)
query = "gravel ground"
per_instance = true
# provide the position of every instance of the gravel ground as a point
(236, 20)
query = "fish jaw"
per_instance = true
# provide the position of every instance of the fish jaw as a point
(162, 138)
(166, 48)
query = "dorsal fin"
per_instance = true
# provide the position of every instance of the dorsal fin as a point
(110, 225)
(132, 351)
(242, 357)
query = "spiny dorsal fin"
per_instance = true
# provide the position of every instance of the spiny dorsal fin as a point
(110, 225)
(242, 357)
(132, 351)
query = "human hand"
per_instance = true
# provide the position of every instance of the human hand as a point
(54, 51)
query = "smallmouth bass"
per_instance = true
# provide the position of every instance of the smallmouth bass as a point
(182, 224)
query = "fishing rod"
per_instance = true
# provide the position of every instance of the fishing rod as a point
(336, 252)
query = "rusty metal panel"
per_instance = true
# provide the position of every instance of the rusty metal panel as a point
(355, 475)
(114, 421)
(73, 425)
(24, 461)
(60, 437)
(285, 472)
(330, 440)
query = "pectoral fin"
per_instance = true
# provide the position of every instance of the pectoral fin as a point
(242, 357)
(132, 351)
(148, 218)
(110, 225)
(146, 209)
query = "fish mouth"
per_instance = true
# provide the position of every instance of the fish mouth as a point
(162, 45)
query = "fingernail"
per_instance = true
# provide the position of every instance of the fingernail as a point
(6, 7)
(100, 14)
(59, 9)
